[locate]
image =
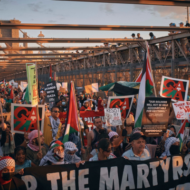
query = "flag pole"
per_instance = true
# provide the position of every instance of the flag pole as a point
(151, 68)
(78, 122)
(37, 110)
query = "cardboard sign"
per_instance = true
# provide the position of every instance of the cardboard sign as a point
(182, 110)
(51, 91)
(173, 88)
(62, 90)
(24, 118)
(88, 89)
(155, 116)
(122, 102)
(112, 117)
(32, 83)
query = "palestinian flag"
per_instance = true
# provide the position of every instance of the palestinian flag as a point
(145, 89)
(138, 79)
(50, 73)
(181, 133)
(25, 96)
(72, 115)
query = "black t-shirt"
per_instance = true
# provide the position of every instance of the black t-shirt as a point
(19, 139)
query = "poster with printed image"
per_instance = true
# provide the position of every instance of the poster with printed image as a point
(112, 117)
(124, 103)
(174, 88)
(24, 118)
(182, 110)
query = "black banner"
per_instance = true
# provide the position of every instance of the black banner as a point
(114, 174)
(155, 116)
(51, 92)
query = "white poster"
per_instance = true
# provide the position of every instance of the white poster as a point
(95, 87)
(58, 86)
(182, 110)
(112, 116)
(23, 84)
(64, 85)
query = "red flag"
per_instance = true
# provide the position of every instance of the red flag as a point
(54, 77)
(138, 79)
(11, 94)
(50, 73)
(72, 115)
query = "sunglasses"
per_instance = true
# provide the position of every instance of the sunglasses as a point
(56, 111)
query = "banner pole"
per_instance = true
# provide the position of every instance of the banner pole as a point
(37, 110)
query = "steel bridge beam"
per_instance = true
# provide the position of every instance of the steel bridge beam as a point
(88, 27)
(68, 40)
(143, 2)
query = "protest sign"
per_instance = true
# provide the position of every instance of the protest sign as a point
(88, 89)
(51, 91)
(182, 110)
(64, 85)
(58, 86)
(23, 84)
(155, 116)
(173, 88)
(122, 102)
(32, 84)
(114, 174)
(95, 87)
(24, 117)
(91, 88)
(62, 90)
(112, 116)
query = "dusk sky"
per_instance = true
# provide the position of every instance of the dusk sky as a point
(63, 12)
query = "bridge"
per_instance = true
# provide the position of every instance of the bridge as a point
(104, 63)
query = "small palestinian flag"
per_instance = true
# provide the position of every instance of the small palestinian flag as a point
(181, 133)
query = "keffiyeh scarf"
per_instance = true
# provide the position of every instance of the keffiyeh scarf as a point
(54, 125)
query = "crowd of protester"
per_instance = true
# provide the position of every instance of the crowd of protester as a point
(101, 143)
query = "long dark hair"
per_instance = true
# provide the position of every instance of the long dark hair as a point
(18, 148)
(3, 139)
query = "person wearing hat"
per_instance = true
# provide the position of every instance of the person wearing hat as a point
(52, 126)
(32, 149)
(85, 106)
(55, 154)
(137, 151)
(7, 172)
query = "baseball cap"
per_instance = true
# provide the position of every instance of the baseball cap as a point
(137, 136)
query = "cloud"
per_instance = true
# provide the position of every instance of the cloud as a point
(165, 11)
(34, 7)
(107, 8)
